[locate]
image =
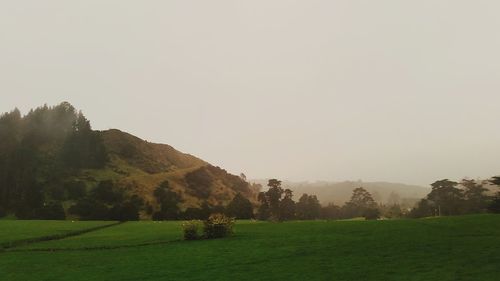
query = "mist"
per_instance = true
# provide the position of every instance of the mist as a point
(317, 90)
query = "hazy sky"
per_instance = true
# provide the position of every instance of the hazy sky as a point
(405, 91)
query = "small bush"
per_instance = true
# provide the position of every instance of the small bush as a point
(218, 226)
(192, 230)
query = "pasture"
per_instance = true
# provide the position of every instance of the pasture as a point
(452, 248)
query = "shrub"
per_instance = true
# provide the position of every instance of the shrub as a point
(218, 226)
(192, 230)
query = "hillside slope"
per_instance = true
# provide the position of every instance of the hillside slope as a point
(138, 167)
(51, 159)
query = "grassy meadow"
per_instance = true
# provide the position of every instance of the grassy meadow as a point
(451, 248)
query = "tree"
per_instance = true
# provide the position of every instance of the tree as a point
(274, 197)
(391, 211)
(127, 211)
(446, 197)
(287, 206)
(106, 193)
(169, 202)
(83, 147)
(362, 198)
(75, 190)
(264, 211)
(371, 214)
(494, 206)
(476, 199)
(240, 207)
(423, 209)
(52, 211)
(90, 209)
(360, 205)
(38, 151)
(308, 207)
(330, 212)
(273, 205)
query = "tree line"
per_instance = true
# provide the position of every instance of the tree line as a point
(277, 204)
(450, 198)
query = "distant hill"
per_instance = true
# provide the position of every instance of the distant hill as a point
(51, 157)
(340, 192)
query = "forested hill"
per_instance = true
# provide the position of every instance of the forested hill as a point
(53, 165)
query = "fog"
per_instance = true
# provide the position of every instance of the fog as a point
(401, 91)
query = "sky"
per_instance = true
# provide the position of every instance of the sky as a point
(387, 90)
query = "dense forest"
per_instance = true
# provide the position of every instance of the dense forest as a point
(40, 149)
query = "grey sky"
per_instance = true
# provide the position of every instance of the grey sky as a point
(404, 91)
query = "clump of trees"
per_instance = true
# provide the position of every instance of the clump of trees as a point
(308, 207)
(107, 202)
(494, 206)
(277, 204)
(37, 151)
(240, 207)
(361, 205)
(449, 198)
(169, 201)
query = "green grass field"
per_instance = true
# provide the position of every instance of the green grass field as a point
(13, 230)
(454, 248)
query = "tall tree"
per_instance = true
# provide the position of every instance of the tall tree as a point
(475, 195)
(308, 207)
(274, 195)
(494, 206)
(264, 212)
(240, 207)
(361, 204)
(287, 206)
(169, 202)
(446, 197)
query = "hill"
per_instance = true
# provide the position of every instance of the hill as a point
(50, 159)
(340, 192)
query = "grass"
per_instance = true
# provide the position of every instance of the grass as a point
(16, 230)
(455, 248)
(128, 234)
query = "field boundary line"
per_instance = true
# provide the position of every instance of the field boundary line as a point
(13, 244)
(95, 248)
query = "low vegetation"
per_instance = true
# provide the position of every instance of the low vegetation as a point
(216, 226)
(448, 248)
(193, 230)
